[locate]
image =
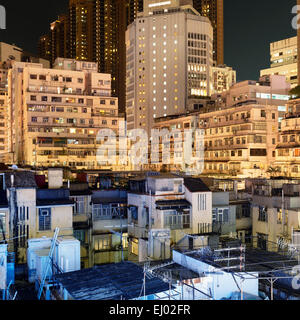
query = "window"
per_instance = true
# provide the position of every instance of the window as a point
(102, 243)
(67, 79)
(79, 205)
(262, 214)
(262, 241)
(34, 119)
(56, 99)
(45, 219)
(44, 98)
(221, 215)
(33, 98)
(258, 152)
(202, 202)
(42, 77)
(33, 77)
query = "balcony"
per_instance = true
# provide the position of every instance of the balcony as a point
(177, 222)
(210, 228)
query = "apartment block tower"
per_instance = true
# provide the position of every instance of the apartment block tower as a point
(57, 113)
(169, 59)
(93, 30)
(133, 7)
(60, 38)
(45, 47)
(284, 60)
(214, 10)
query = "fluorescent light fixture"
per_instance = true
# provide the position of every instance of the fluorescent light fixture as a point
(159, 4)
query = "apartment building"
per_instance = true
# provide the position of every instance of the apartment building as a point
(4, 114)
(287, 150)
(240, 130)
(239, 141)
(165, 210)
(283, 60)
(214, 10)
(169, 59)
(10, 52)
(275, 213)
(223, 78)
(31, 212)
(93, 30)
(57, 113)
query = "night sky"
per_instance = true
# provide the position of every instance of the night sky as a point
(250, 25)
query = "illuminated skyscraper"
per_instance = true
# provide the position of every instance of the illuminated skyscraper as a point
(214, 10)
(169, 59)
(133, 7)
(94, 30)
(60, 38)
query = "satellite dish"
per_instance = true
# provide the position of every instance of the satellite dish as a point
(14, 167)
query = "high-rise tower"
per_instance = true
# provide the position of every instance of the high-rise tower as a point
(94, 30)
(214, 10)
(169, 59)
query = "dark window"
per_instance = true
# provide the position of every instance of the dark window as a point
(258, 152)
(262, 214)
(56, 99)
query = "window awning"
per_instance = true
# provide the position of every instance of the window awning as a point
(172, 204)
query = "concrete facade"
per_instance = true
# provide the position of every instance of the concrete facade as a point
(162, 75)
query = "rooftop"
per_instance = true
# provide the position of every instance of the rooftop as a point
(110, 282)
(22, 179)
(257, 260)
(195, 185)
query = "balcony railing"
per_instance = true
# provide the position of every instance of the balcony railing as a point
(177, 222)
